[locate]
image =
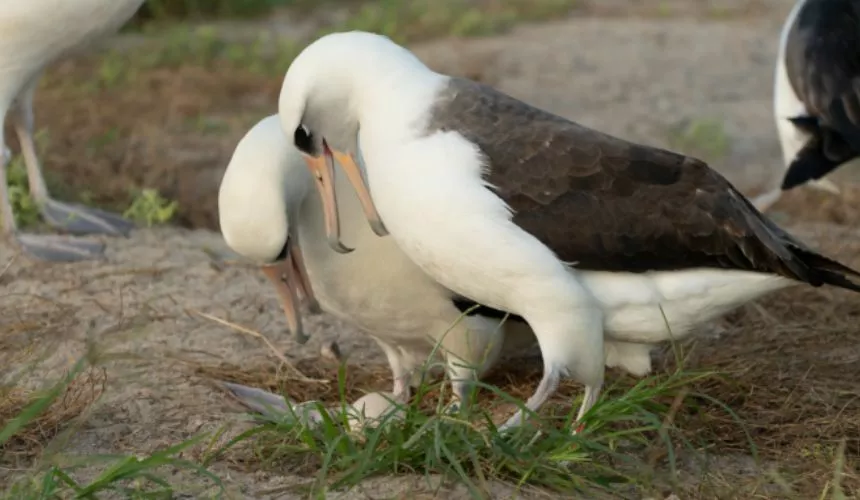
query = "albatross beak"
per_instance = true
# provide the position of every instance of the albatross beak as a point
(291, 280)
(322, 169)
(353, 173)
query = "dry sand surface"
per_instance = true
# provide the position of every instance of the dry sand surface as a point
(793, 357)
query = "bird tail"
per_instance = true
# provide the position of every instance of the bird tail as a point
(826, 270)
(800, 262)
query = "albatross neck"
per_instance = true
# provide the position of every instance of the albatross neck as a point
(395, 99)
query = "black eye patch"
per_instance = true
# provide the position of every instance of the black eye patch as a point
(303, 139)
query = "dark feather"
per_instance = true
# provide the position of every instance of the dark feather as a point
(607, 204)
(465, 305)
(822, 58)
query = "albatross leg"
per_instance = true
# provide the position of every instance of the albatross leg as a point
(571, 341)
(45, 247)
(76, 219)
(547, 387)
(588, 401)
(400, 373)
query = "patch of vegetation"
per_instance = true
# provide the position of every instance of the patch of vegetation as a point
(149, 208)
(403, 20)
(23, 205)
(616, 453)
(39, 417)
(162, 10)
(468, 449)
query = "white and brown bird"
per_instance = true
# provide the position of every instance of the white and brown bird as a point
(578, 232)
(34, 34)
(816, 94)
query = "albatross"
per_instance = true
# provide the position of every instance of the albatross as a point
(817, 94)
(269, 213)
(35, 34)
(578, 232)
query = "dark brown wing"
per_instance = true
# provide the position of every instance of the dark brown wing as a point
(822, 60)
(608, 204)
(822, 57)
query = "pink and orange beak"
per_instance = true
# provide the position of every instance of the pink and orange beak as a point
(322, 168)
(292, 284)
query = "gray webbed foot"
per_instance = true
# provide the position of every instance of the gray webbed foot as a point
(78, 219)
(60, 249)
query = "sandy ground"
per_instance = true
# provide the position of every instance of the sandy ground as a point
(637, 77)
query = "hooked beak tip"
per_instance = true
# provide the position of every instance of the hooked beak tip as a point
(336, 245)
(379, 228)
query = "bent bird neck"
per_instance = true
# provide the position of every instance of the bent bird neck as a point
(393, 104)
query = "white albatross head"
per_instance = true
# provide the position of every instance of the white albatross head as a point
(263, 184)
(325, 91)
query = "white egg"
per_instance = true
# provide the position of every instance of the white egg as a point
(371, 409)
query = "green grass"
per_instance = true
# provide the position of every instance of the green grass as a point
(162, 10)
(131, 476)
(406, 21)
(149, 208)
(23, 206)
(467, 448)
(609, 457)
(403, 20)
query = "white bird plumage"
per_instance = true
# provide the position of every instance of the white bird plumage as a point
(267, 192)
(429, 189)
(34, 34)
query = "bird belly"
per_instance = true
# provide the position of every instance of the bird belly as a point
(659, 306)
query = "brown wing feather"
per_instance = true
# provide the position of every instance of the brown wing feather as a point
(605, 203)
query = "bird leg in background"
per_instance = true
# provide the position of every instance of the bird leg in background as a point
(400, 373)
(76, 219)
(9, 226)
(45, 247)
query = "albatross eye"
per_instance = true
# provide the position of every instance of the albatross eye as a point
(303, 139)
